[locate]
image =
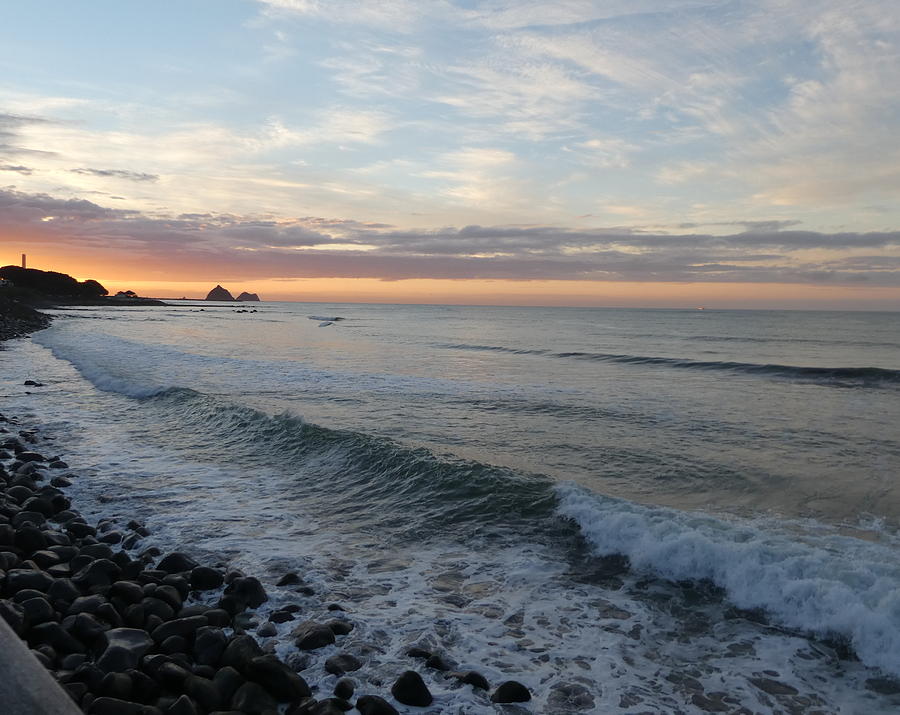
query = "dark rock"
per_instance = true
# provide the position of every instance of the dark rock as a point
(157, 607)
(112, 537)
(109, 614)
(29, 538)
(204, 578)
(172, 676)
(339, 628)
(79, 529)
(114, 706)
(418, 653)
(227, 681)
(86, 604)
(37, 610)
(86, 628)
(63, 590)
(209, 644)
(116, 685)
(310, 635)
(373, 705)
(344, 688)
(60, 482)
(247, 590)
(54, 635)
(170, 595)
(174, 644)
(435, 662)
(410, 689)
(342, 663)
(30, 457)
(240, 651)
(178, 627)
(98, 574)
(289, 579)
(476, 680)
(128, 591)
(14, 615)
(267, 630)
(330, 706)
(182, 706)
(277, 678)
(773, 687)
(45, 559)
(177, 562)
(97, 551)
(204, 692)
(72, 661)
(218, 617)
(123, 649)
(281, 617)
(511, 692)
(250, 698)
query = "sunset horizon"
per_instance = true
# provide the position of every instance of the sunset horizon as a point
(741, 153)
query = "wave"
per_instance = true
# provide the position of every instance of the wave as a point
(849, 376)
(835, 587)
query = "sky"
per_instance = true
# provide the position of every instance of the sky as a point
(729, 153)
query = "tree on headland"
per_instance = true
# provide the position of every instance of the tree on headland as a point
(51, 283)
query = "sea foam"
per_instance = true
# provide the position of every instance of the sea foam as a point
(828, 585)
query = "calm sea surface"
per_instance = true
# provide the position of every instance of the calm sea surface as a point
(454, 476)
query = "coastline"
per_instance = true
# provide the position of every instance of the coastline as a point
(123, 628)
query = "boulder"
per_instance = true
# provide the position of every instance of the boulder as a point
(310, 635)
(373, 705)
(511, 692)
(410, 689)
(342, 663)
(279, 680)
(123, 649)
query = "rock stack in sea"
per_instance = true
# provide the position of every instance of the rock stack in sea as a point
(127, 630)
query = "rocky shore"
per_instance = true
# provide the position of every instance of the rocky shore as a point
(18, 319)
(125, 629)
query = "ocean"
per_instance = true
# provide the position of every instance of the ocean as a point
(636, 511)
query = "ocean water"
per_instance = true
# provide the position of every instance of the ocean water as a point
(468, 479)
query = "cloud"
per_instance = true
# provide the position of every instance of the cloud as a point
(25, 170)
(202, 245)
(117, 174)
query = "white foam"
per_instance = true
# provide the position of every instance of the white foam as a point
(826, 585)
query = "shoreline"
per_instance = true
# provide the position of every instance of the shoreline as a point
(126, 629)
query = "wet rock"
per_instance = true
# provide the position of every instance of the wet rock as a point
(374, 705)
(128, 591)
(30, 457)
(338, 627)
(773, 687)
(218, 617)
(311, 635)
(116, 685)
(37, 610)
(240, 651)
(569, 697)
(14, 615)
(100, 573)
(277, 678)
(410, 689)
(177, 562)
(204, 578)
(114, 706)
(227, 681)
(344, 688)
(418, 653)
(884, 686)
(511, 692)
(204, 691)
(248, 591)
(250, 698)
(86, 604)
(172, 676)
(281, 617)
(342, 663)
(475, 679)
(53, 635)
(289, 579)
(20, 579)
(178, 627)
(182, 706)
(123, 649)
(267, 630)
(86, 628)
(209, 644)
(436, 662)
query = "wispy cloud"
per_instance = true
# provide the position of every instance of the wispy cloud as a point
(117, 174)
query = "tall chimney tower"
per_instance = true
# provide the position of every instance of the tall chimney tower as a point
(23, 261)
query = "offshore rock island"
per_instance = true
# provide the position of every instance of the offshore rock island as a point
(222, 294)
